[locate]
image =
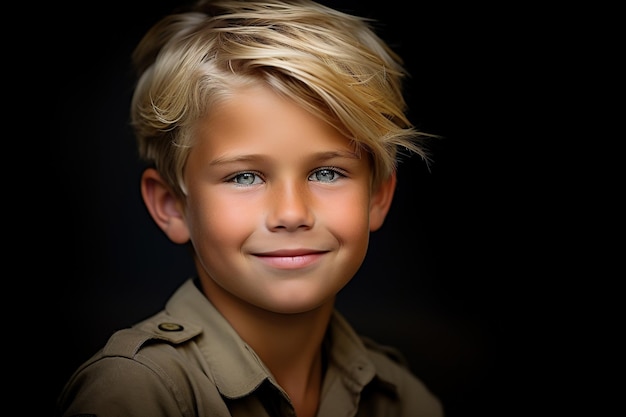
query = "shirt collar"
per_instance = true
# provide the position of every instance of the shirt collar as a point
(235, 367)
(238, 371)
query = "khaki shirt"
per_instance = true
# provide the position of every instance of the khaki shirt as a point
(188, 361)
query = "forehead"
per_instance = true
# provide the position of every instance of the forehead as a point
(257, 117)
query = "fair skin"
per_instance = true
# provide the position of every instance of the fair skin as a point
(279, 210)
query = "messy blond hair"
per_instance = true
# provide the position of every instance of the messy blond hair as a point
(329, 62)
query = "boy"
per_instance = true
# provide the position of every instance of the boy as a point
(271, 130)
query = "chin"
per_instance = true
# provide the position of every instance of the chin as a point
(297, 304)
(294, 308)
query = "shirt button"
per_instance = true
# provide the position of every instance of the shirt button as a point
(171, 327)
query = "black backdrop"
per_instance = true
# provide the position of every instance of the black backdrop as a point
(437, 282)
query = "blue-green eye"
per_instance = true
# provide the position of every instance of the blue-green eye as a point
(325, 175)
(246, 178)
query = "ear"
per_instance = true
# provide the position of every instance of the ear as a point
(381, 202)
(164, 207)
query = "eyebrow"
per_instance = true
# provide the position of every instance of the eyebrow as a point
(321, 156)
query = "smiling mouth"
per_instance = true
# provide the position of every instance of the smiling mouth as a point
(290, 259)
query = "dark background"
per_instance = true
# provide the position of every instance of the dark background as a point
(443, 280)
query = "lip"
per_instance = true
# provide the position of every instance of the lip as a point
(290, 259)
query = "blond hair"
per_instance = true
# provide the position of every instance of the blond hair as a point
(330, 62)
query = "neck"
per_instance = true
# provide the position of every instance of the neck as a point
(290, 345)
(291, 348)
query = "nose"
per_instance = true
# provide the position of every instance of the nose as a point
(289, 207)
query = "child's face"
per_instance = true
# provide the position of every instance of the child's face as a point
(278, 205)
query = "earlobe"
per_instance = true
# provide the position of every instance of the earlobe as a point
(164, 207)
(381, 202)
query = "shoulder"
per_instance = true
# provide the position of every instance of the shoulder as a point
(384, 353)
(391, 365)
(160, 328)
(156, 339)
(392, 369)
(157, 343)
(146, 370)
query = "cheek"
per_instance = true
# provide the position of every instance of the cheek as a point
(218, 221)
(349, 219)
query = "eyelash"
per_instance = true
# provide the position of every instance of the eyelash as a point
(340, 173)
(336, 171)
